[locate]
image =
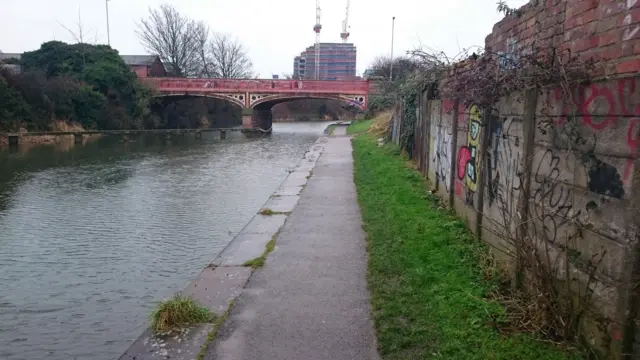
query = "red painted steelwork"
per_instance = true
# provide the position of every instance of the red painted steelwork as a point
(345, 87)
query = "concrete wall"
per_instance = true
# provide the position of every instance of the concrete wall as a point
(559, 171)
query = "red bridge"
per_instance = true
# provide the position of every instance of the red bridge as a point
(257, 97)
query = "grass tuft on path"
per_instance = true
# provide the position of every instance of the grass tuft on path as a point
(427, 289)
(359, 126)
(178, 312)
(262, 259)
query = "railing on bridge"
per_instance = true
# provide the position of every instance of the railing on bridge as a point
(355, 87)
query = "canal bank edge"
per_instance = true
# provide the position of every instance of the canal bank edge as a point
(222, 281)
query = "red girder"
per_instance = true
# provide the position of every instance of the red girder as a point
(345, 87)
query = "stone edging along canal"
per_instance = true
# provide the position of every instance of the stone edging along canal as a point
(223, 280)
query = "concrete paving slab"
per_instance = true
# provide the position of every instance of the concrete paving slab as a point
(281, 204)
(264, 224)
(184, 346)
(243, 248)
(295, 179)
(340, 130)
(289, 191)
(214, 288)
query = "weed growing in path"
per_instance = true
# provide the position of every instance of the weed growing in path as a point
(269, 212)
(260, 260)
(177, 312)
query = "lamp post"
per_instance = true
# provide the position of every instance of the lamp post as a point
(106, 3)
(393, 25)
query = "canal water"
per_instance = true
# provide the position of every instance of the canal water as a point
(92, 236)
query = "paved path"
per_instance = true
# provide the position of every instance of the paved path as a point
(310, 301)
(339, 131)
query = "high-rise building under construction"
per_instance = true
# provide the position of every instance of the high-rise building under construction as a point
(337, 62)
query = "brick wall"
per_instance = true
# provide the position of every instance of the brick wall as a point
(521, 164)
(607, 31)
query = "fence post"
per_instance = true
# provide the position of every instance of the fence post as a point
(482, 172)
(629, 293)
(427, 134)
(454, 143)
(528, 138)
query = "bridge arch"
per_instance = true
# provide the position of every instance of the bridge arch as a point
(266, 102)
(235, 99)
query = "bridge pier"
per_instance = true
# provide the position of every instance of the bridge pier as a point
(77, 138)
(259, 119)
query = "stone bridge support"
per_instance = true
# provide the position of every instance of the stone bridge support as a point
(257, 119)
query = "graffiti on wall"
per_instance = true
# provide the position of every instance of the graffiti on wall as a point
(504, 166)
(443, 155)
(606, 105)
(630, 32)
(468, 159)
(552, 198)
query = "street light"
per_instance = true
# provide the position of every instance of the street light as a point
(393, 25)
(106, 3)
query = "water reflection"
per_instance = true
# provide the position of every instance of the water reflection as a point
(91, 236)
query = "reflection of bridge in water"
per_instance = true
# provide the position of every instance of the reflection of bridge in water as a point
(257, 97)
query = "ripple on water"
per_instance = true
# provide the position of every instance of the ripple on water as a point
(91, 238)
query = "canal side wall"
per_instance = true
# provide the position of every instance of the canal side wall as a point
(220, 282)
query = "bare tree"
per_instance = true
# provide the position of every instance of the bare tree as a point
(228, 58)
(175, 38)
(202, 40)
(80, 35)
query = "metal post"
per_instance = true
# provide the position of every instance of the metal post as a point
(393, 25)
(106, 3)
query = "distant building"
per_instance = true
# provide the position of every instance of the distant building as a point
(337, 62)
(145, 65)
(276, 77)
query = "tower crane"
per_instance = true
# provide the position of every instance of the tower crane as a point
(316, 28)
(345, 25)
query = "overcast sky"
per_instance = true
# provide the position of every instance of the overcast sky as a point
(273, 31)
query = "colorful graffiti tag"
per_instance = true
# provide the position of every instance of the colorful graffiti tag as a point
(468, 158)
(606, 105)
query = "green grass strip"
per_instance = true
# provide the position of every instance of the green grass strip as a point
(359, 126)
(427, 288)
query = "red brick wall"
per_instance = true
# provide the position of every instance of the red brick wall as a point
(607, 31)
(157, 69)
(140, 70)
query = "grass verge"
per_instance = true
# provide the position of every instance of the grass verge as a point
(260, 260)
(359, 126)
(428, 292)
(177, 312)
